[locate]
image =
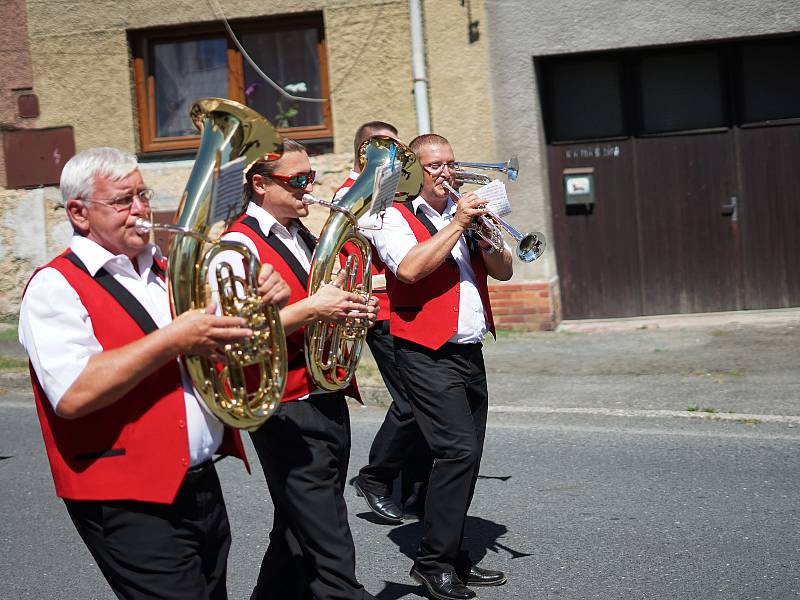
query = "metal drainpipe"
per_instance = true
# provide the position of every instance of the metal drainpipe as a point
(418, 67)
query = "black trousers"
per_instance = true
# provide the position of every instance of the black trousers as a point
(175, 551)
(448, 394)
(399, 449)
(304, 449)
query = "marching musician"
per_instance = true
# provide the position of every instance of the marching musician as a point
(398, 448)
(304, 448)
(129, 443)
(440, 312)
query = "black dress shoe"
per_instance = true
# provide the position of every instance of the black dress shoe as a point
(382, 506)
(443, 586)
(478, 576)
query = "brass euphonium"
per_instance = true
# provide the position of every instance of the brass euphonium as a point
(333, 350)
(233, 137)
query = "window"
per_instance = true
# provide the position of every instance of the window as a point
(583, 99)
(770, 81)
(681, 91)
(174, 67)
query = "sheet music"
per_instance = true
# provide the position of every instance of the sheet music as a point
(227, 198)
(496, 197)
(387, 178)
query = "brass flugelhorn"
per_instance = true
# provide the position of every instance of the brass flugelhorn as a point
(463, 174)
(333, 350)
(233, 137)
(490, 227)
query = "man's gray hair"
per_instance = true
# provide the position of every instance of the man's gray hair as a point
(77, 178)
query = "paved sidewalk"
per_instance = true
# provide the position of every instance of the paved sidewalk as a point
(740, 366)
(737, 366)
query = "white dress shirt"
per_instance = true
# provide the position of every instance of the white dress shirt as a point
(56, 331)
(267, 223)
(396, 238)
(342, 191)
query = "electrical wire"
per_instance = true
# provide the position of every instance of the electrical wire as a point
(218, 10)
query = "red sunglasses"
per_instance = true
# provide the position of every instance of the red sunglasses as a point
(298, 181)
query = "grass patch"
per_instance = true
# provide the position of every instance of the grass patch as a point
(720, 333)
(8, 326)
(10, 319)
(507, 333)
(9, 323)
(368, 373)
(7, 335)
(706, 409)
(740, 372)
(12, 364)
(718, 375)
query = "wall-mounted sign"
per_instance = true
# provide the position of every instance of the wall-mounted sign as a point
(579, 185)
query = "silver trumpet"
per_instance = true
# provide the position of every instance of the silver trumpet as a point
(464, 174)
(490, 228)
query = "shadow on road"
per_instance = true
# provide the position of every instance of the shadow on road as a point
(480, 536)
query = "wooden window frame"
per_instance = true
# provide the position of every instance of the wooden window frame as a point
(142, 42)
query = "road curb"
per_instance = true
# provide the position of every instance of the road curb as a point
(622, 412)
(767, 318)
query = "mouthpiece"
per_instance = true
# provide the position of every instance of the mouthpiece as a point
(309, 199)
(142, 225)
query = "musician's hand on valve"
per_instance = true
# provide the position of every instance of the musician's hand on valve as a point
(272, 288)
(203, 333)
(373, 304)
(335, 305)
(469, 207)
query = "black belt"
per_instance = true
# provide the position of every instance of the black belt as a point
(198, 471)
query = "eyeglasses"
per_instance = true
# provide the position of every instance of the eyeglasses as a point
(123, 203)
(299, 181)
(435, 168)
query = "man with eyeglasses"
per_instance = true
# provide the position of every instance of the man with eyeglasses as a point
(440, 312)
(129, 442)
(398, 451)
(304, 448)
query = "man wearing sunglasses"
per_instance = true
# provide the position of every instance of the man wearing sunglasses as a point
(129, 442)
(437, 280)
(398, 450)
(304, 448)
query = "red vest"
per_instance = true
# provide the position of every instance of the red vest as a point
(378, 268)
(426, 312)
(298, 380)
(135, 449)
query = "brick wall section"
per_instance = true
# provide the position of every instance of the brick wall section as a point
(526, 306)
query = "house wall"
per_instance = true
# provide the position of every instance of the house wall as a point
(79, 65)
(520, 30)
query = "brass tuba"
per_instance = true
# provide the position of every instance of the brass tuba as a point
(333, 350)
(233, 137)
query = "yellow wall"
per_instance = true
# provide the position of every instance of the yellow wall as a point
(83, 75)
(460, 100)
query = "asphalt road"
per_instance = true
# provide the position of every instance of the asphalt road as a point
(571, 506)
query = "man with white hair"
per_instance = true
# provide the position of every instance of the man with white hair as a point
(130, 444)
